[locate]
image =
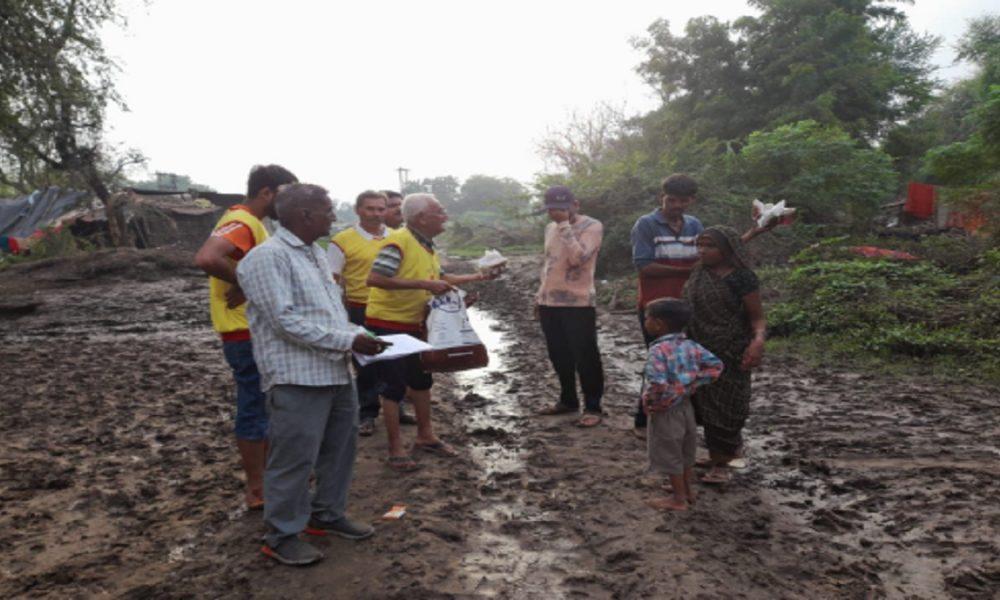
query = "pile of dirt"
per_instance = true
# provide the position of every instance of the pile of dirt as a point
(100, 267)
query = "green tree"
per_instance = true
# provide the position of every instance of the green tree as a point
(172, 182)
(817, 168)
(851, 63)
(444, 188)
(56, 80)
(492, 194)
(946, 143)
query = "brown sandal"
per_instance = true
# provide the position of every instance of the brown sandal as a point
(402, 464)
(717, 477)
(439, 448)
(557, 409)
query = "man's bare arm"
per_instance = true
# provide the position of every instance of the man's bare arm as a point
(434, 286)
(213, 259)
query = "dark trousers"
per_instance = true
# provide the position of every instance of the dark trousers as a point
(367, 382)
(640, 416)
(571, 338)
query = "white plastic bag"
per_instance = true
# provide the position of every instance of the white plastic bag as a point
(491, 261)
(448, 323)
(768, 212)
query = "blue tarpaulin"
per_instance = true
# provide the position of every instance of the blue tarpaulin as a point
(22, 216)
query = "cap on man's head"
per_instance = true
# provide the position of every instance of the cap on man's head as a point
(559, 197)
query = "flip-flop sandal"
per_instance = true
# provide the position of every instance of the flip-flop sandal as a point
(402, 464)
(739, 463)
(716, 479)
(255, 505)
(438, 448)
(557, 409)
(589, 420)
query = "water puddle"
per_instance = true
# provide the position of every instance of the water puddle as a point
(499, 561)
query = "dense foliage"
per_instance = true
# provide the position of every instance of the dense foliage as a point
(56, 80)
(944, 306)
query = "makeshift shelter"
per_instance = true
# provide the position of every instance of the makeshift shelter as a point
(149, 219)
(22, 216)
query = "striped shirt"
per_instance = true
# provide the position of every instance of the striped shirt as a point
(301, 335)
(675, 368)
(654, 241)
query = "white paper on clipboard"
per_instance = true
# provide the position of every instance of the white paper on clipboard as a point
(402, 345)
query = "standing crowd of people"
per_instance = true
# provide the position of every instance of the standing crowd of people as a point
(292, 316)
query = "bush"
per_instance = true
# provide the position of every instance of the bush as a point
(818, 169)
(947, 308)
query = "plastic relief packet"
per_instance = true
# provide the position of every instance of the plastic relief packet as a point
(768, 212)
(491, 260)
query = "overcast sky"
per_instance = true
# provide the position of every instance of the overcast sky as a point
(344, 93)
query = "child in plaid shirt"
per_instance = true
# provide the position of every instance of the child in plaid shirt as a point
(676, 366)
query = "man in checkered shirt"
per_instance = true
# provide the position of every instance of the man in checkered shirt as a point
(302, 345)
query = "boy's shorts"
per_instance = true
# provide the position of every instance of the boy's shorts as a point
(251, 410)
(394, 376)
(672, 439)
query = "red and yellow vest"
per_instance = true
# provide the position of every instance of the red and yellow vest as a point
(228, 321)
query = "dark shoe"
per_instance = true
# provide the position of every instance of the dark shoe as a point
(406, 419)
(293, 552)
(366, 428)
(343, 527)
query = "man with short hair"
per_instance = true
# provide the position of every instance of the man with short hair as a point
(351, 253)
(303, 343)
(405, 275)
(664, 252)
(393, 211)
(566, 304)
(238, 231)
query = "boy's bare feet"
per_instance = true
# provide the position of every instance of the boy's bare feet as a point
(667, 503)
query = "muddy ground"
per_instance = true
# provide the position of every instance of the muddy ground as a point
(118, 476)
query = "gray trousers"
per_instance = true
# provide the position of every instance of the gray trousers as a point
(311, 429)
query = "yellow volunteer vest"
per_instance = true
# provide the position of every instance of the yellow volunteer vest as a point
(225, 319)
(359, 254)
(405, 306)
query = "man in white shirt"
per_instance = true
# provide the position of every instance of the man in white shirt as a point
(351, 253)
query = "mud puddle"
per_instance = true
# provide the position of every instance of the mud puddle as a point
(497, 560)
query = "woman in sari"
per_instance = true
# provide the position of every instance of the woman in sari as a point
(728, 319)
